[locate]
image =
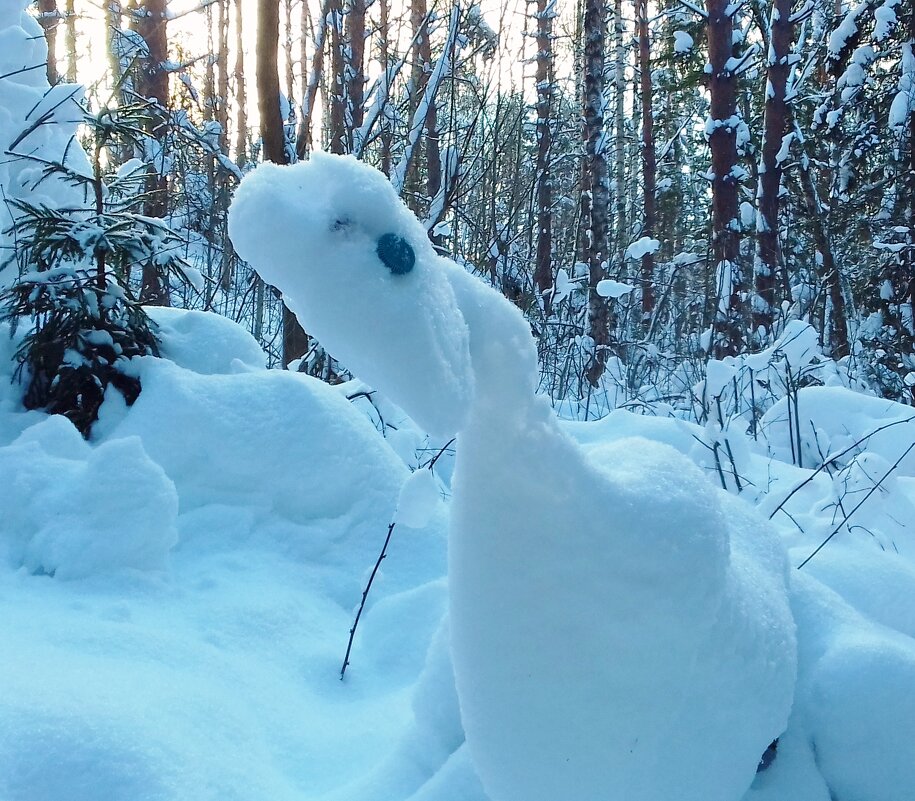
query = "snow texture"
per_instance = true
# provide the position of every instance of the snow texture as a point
(591, 640)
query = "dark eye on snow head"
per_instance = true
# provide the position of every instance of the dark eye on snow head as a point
(396, 253)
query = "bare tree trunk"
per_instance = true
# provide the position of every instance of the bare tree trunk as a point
(288, 41)
(241, 93)
(619, 128)
(909, 184)
(543, 268)
(768, 261)
(355, 68)
(836, 336)
(337, 102)
(49, 18)
(384, 33)
(304, 138)
(649, 159)
(152, 84)
(70, 40)
(222, 77)
(595, 33)
(422, 67)
(728, 328)
(295, 341)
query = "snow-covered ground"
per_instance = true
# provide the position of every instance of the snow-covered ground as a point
(176, 596)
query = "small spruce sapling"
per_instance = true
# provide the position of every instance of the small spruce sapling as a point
(73, 286)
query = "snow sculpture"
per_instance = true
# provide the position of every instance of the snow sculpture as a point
(620, 629)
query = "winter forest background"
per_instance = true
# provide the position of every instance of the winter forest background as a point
(724, 170)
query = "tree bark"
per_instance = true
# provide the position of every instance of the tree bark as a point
(70, 40)
(619, 130)
(728, 333)
(305, 135)
(49, 17)
(355, 68)
(295, 341)
(152, 85)
(337, 101)
(543, 268)
(768, 261)
(595, 33)
(241, 93)
(422, 68)
(649, 159)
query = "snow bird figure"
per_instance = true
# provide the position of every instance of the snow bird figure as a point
(619, 627)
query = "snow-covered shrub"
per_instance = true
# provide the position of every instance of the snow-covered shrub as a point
(73, 287)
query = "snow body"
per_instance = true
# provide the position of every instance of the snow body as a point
(618, 627)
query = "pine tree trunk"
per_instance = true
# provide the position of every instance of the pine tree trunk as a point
(387, 135)
(543, 268)
(649, 159)
(836, 336)
(595, 33)
(305, 135)
(355, 68)
(422, 67)
(152, 84)
(241, 90)
(337, 79)
(295, 341)
(49, 17)
(70, 40)
(619, 129)
(768, 262)
(729, 332)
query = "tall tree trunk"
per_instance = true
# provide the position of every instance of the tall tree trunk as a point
(595, 33)
(909, 181)
(384, 38)
(241, 92)
(338, 136)
(835, 336)
(49, 17)
(543, 268)
(649, 159)
(70, 39)
(152, 84)
(729, 332)
(295, 341)
(768, 261)
(288, 42)
(304, 138)
(422, 68)
(355, 67)
(619, 130)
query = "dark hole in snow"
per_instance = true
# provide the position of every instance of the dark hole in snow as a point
(396, 253)
(768, 756)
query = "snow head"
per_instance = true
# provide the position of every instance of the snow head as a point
(357, 269)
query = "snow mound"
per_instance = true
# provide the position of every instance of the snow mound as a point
(253, 438)
(229, 348)
(73, 511)
(831, 419)
(855, 693)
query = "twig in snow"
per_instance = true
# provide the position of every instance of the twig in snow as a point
(858, 505)
(832, 459)
(381, 557)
